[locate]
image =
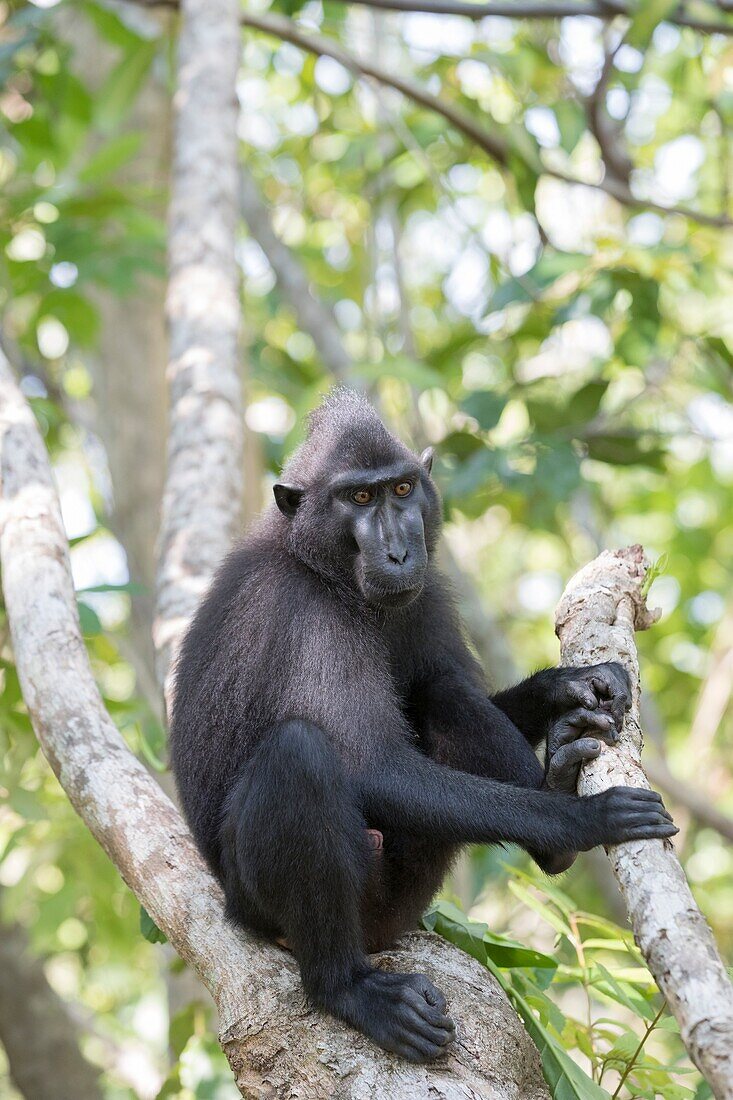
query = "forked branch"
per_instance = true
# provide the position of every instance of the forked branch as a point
(275, 1046)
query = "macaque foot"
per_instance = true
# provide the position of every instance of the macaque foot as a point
(402, 1013)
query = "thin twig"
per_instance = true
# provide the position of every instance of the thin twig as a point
(529, 10)
(630, 1064)
(607, 131)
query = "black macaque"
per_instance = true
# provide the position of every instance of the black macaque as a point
(335, 745)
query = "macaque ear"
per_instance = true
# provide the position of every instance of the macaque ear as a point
(287, 498)
(426, 459)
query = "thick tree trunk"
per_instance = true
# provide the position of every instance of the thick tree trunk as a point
(601, 608)
(40, 1038)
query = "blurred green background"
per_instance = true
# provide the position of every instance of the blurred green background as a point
(568, 354)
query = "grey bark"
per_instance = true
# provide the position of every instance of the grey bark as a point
(600, 609)
(129, 396)
(204, 478)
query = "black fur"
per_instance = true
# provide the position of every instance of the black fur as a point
(325, 688)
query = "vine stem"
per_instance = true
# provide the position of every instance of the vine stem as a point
(637, 1052)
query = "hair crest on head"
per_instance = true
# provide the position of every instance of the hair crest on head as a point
(344, 431)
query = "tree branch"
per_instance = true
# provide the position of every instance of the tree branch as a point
(313, 317)
(601, 608)
(288, 31)
(531, 10)
(275, 1046)
(492, 144)
(539, 10)
(607, 131)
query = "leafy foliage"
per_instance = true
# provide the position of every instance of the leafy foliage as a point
(570, 357)
(613, 1056)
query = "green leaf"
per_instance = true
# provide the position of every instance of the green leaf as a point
(622, 992)
(403, 368)
(112, 155)
(152, 745)
(26, 804)
(485, 406)
(624, 1048)
(130, 587)
(182, 1027)
(556, 478)
(601, 924)
(171, 1087)
(562, 900)
(648, 13)
(656, 569)
(462, 445)
(474, 937)
(75, 312)
(624, 450)
(110, 25)
(546, 416)
(90, 622)
(528, 288)
(572, 123)
(566, 1079)
(543, 910)
(122, 85)
(149, 928)
(585, 403)
(473, 474)
(719, 350)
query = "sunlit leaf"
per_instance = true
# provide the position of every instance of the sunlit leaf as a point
(475, 938)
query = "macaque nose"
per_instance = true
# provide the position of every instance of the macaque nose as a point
(397, 557)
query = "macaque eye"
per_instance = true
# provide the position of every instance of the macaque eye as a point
(362, 496)
(403, 489)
